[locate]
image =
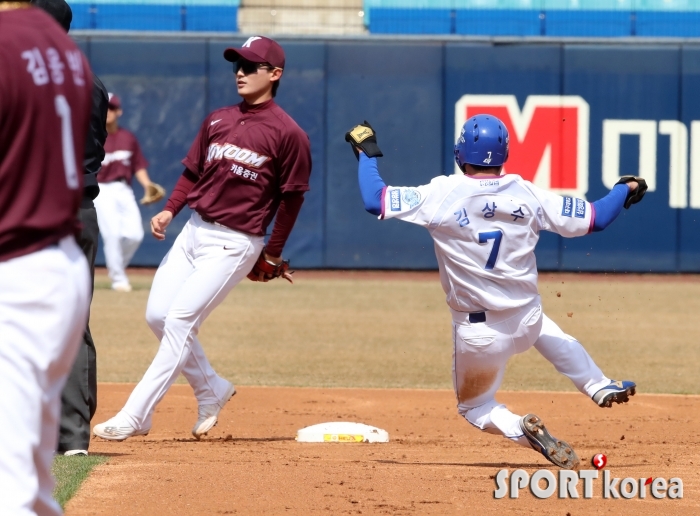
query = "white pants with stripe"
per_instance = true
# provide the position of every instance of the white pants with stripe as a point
(44, 300)
(204, 264)
(121, 228)
(481, 351)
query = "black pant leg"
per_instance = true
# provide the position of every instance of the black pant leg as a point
(79, 396)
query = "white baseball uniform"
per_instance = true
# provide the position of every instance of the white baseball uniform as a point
(121, 228)
(44, 300)
(233, 205)
(118, 214)
(485, 230)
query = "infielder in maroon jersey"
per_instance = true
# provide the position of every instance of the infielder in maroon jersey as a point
(248, 162)
(118, 213)
(45, 100)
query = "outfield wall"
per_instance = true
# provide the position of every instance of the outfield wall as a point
(580, 115)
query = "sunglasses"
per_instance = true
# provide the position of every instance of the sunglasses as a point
(248, 67)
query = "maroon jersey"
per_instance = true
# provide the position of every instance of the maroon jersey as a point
(45, 92)
(123, 158)
(246, 157)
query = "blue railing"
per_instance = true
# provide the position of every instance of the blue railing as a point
(168, 15)
(582, 18)
(587, 18)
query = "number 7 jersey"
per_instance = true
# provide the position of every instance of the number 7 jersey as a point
(485, 231)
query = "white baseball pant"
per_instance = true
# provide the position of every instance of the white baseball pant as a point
(481, 351)
(121, 228)
(44, 300)
(204, 264)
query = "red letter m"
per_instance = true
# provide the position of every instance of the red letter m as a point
(548, 138)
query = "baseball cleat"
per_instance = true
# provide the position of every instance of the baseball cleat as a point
(208, 415)
(116, 429)
(615, 392)
(555, 451)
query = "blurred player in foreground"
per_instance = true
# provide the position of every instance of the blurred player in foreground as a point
(248, 162)
(79, 396)
(118, 214)
(45, 98)
(485, 226)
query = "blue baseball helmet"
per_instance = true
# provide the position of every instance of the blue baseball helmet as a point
(483, 141)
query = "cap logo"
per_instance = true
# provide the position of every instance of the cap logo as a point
(250, 41)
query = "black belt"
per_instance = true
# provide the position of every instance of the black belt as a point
(212, 221)
(477, 317)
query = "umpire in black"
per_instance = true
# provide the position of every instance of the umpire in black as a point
(79, 397)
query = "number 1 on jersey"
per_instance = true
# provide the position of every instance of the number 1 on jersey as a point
(496, 236)
(69, 166)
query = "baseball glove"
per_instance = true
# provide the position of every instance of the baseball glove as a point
(264, 270)
(363, 136)
(152, 193)
(633, 196)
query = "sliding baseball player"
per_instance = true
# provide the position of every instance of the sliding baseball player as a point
(485, 226)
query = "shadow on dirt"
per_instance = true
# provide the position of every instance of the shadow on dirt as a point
(465, 464)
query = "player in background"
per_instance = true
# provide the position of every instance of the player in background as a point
(45, 97)
(117, 212)
(79, 396)
(248, 162)
(485, 226)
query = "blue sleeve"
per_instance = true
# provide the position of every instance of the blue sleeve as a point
(609, 207)
(371, 184)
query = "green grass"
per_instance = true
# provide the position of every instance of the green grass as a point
(390, 331)
(70, 473)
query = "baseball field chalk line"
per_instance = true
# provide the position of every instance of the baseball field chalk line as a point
(342, 432)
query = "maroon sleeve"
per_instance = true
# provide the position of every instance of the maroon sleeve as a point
(286, 217)
(4, 79)
(178, 198)
(194, 161)
(295, 165)
(138, 161)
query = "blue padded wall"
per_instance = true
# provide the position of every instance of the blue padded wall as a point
(626, 83)
(162, 86)
(688, 239)
(408, 91)
(397, 88)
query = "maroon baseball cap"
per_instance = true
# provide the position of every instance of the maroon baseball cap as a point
(257, 49)
(114, 102)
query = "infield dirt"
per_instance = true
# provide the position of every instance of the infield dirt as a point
(435, 463)
(317, 351)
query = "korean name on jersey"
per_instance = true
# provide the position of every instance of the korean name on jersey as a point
(485, 231)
